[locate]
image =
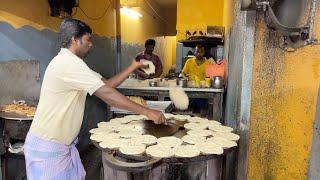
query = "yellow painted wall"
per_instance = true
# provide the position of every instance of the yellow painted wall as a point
(136, 31)
(36, 13)
(170, 15)
(149, 25)
(283, 108)
(228, 12)
(95, 9)
(197, 15)
(32, 12)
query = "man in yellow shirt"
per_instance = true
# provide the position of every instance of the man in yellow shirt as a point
(195, 70)
(195, 67)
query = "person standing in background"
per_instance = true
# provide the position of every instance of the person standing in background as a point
(148, 55)
(195, 67)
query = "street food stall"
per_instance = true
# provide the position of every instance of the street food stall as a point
(232, 123)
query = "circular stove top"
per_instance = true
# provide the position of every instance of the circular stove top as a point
(173, 128)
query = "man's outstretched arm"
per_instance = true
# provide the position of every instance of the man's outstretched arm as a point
(116, 80)
(112, 97)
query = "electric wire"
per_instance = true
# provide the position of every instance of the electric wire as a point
(96, 18)
(147, 2)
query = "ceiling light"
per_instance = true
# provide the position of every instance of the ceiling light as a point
(130, 12)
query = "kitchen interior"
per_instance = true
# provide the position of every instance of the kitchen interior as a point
(267, 94)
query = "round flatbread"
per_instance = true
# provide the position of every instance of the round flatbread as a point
(101, 131)
(203, 133)
(197, 119)
(96, 137)
(132, 149)
(159, 151)
(168, 115)
(108, 125)
(225, 143)
(131, 142)
(213, 122)
(209, 148)
(125, 120)
(151, 69)
(226, 135)
(195, 126)
(220, 128)
(115, 120)
(112, 143)
(191, 139)
(181, 117)
(179, 98)
(139, 127)
(186, 151)
(169, 141)
(145, 139)
(129, 133)
(135, 125)
(102, 137)
(123, 127)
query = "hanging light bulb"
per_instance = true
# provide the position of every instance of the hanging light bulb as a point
(130, 12)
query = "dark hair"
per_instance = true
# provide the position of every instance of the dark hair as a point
(200, 46)
(150, 42)
(72, 28)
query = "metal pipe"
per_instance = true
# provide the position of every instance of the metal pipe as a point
(118, 37)
(313, 9)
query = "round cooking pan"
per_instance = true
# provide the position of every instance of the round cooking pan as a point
(137, 163)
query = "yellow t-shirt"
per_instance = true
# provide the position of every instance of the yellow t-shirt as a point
(65, 85)
(194, 70)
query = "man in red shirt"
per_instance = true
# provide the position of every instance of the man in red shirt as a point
(148, 54)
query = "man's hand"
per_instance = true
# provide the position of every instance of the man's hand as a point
(138, 64)
(156, 116)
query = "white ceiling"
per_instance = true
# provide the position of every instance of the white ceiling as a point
(167, 3)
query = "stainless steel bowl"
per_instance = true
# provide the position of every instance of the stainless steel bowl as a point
(182, 82)
(217, 82)
(153, 83)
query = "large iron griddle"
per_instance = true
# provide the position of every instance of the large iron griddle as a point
(138, 163)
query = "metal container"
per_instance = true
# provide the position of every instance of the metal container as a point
(132, 76)
(163, 82)
(182, 82)
(153, 83)
(217, 82)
